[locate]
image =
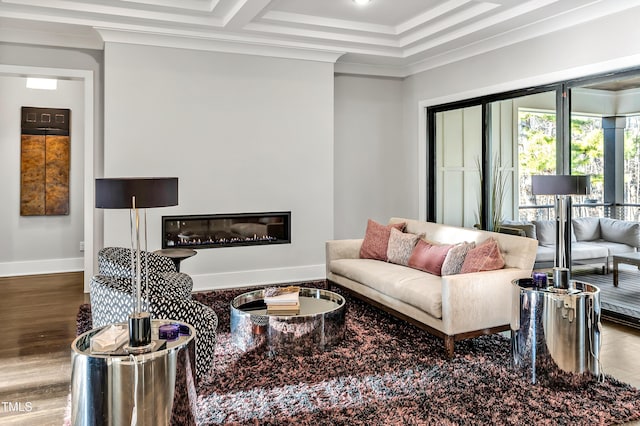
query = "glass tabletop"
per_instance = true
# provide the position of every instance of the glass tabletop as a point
(312, 302)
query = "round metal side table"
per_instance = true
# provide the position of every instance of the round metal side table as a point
(555, 333)
(112, 388)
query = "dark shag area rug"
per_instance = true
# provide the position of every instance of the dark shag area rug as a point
(387, 372)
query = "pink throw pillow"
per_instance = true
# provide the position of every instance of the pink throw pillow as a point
(485, 257)
(376, 240)
(429, 257)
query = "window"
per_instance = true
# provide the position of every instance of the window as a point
(587, 158)
(586, 126)
(536, 156)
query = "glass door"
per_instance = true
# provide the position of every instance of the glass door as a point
(458, 159)
(484, 156)
(538, 150)
(588, 126)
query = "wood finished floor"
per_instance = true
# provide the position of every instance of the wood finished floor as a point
(38, 318)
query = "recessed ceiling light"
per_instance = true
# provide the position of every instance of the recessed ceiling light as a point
(362, 2)
(42, 83)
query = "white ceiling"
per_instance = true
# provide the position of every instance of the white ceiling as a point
(387, 37)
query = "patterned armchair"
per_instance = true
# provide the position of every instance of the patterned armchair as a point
(112, 298)
(163, 276)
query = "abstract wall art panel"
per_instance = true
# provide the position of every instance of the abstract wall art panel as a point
(45, 161)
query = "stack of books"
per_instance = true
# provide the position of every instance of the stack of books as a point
(282, 300)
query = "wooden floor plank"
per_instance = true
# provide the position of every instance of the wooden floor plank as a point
(35, 359)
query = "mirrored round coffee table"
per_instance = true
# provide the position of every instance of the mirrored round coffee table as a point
(319, 325)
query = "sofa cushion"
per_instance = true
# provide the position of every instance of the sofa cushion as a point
(401, 246)
(546, 232)
(586, 250)
(429, 257)
(455, 258)
(586, 228)
(545, 254)
(620, 231)
(579, 251)
(411, 286)
(376, 240)
(614, 248)
(485, 257)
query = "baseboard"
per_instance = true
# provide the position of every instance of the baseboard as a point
(200, 282)
(257, 277)
(43, 266)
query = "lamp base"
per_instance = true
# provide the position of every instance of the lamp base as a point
(561, 278)
(139, 329)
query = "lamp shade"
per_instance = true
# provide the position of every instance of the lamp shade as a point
(560, 185)
(117, 193)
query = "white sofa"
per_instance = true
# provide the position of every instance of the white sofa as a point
(452, 307)
(593, 240)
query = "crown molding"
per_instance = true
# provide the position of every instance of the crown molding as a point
(440, 36)
(89, 40)
(515, 36)
(370, 70)
(215, 44)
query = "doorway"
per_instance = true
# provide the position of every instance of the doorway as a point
(37, 264)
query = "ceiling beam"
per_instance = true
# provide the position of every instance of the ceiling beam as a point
(243, 12)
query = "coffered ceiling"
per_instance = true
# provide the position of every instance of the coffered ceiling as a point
(388, 37)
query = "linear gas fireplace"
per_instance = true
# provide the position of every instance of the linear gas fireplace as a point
(226, 230)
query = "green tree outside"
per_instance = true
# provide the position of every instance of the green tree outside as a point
(537, 155)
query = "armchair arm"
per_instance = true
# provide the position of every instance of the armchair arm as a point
(201, 317)
(342, 249)
(478, 300)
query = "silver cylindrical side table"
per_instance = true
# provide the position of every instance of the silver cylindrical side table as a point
(150, 387)
(319, 325)
(555, 333)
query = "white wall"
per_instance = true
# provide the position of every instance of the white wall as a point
(599, 46)
(81, 65)
(242, 134)
(222, 113)
(371, 158)
(37, 244)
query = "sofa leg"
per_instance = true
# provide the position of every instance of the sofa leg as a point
(449, 345)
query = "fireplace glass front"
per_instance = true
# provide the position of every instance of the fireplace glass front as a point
(226, 230)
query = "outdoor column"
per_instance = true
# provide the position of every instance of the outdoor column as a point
(613, 128)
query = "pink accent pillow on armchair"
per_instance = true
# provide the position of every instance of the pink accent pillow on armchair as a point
(376, 240)
(485, 257)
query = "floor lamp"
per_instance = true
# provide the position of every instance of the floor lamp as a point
(562, 187)
(135, 194)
